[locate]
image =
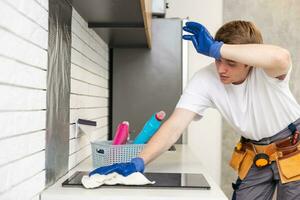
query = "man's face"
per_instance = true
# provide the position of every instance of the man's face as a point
(231, 71)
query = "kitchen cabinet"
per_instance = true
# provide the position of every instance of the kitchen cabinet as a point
(180, 161)
(120, 23)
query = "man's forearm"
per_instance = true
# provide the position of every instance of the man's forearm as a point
(167, 135)
(268, 57)
(160, 142)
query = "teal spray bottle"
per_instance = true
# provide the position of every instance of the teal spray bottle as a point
(150, 127)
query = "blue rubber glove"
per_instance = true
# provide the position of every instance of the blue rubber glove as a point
(203, 42)
(125, 169)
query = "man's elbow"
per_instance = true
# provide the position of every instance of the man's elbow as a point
(283, 60)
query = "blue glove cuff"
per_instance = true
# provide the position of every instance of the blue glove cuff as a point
(215, 50)
(139, 164)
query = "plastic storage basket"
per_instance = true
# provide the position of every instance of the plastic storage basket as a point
(104, 153)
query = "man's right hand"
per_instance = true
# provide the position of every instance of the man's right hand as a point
(202, 40)
(125, 169)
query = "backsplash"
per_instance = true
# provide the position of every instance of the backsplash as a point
(89, 87)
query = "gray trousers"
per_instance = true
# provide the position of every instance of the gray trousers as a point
(260, 183)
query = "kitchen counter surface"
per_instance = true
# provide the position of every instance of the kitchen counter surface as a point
(179, 161)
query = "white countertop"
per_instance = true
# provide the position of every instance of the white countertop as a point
(179, 161)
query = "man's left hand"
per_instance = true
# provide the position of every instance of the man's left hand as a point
(202, 40)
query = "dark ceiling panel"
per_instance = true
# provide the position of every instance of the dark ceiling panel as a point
(123, 37)
(99, 11)
(118, 22)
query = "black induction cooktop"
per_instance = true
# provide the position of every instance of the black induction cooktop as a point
(162, 180)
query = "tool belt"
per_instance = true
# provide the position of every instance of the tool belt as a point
(285, 152)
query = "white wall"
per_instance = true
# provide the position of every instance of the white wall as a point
(204, 136)
(23, 69)
(23, 73)
(89, 87)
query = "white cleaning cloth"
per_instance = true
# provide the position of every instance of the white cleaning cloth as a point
(114, 178)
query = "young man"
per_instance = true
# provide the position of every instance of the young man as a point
(248, 84)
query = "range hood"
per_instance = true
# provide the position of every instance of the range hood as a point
(120, 23)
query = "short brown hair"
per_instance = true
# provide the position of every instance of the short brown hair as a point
(239, 32)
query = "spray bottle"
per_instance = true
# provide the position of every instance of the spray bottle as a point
(151, 126)
(122, 133)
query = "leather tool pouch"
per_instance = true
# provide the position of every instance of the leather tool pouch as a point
(237, 158)
(288, 162)
(241, 161)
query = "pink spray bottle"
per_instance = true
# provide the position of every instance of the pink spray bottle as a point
(122, 133)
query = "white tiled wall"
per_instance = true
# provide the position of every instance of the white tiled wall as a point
(23, 74)
(23, 71)
(89, 87)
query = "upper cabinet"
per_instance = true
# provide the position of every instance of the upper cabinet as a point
(120, 23)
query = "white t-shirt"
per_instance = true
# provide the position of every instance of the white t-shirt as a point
(259, 107)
